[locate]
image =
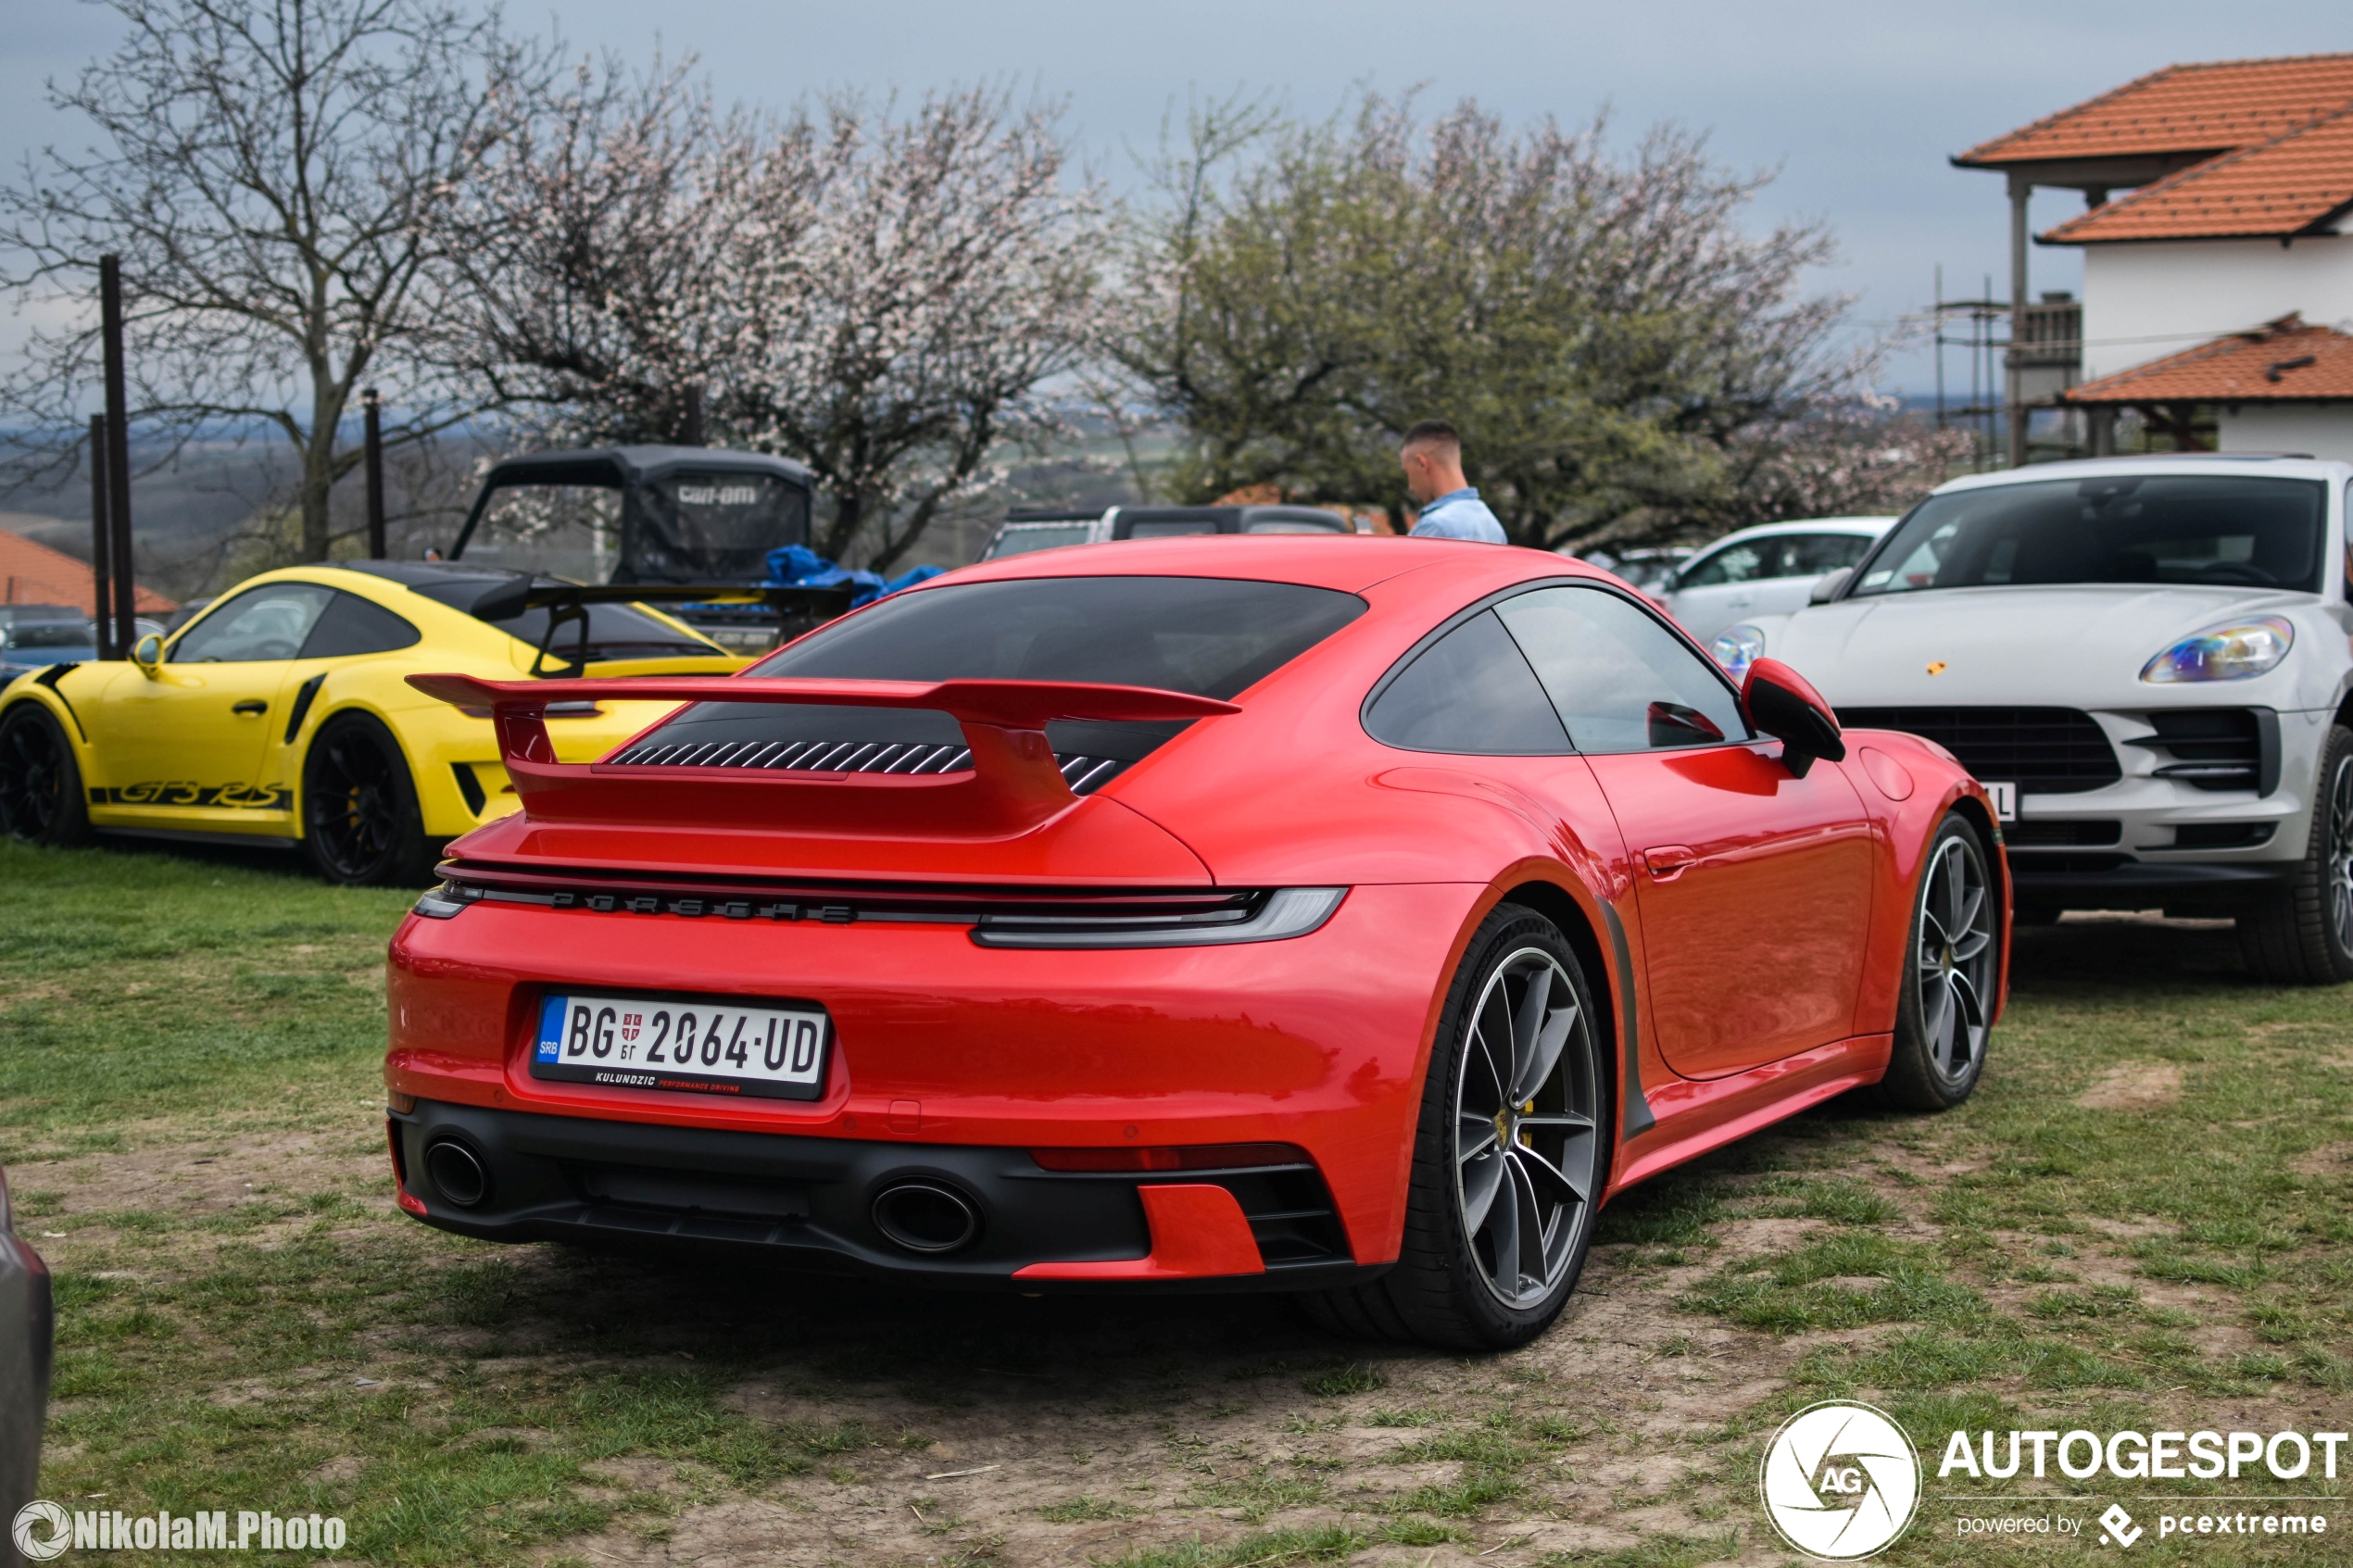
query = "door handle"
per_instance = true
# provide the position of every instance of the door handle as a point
(249, 708)
(1668, 862)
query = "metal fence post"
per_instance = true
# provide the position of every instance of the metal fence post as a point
(118, 456)
(101, 530)
(373, 407)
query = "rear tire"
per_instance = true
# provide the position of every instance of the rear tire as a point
(361, 827)
(1472, 1273)
(41, 796)
(1944, 1008)
(2304, 937)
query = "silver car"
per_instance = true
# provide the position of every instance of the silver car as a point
(2145, 660)
(1768, 570)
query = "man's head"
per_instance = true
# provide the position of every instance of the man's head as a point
(1432, 457)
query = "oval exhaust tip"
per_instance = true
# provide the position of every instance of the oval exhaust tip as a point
(926, 1217)
(458, 1174)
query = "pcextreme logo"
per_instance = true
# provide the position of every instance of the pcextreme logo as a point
(1840, 1480)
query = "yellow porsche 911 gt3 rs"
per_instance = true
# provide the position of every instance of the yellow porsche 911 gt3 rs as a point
(282, 713)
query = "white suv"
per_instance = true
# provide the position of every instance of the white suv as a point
(2145, 659)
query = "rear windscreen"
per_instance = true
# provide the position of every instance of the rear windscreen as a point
(561, 530)
(718, 526)
(615, 631)
(1209, 636)
(2214, 529)
(1046, 537)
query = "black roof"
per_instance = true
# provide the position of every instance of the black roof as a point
(616, 466)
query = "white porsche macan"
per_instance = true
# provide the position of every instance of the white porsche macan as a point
(2146, 659)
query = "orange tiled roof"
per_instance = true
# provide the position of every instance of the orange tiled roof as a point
(2284, 363)
(32, 574)
(2283, 186)
(2192, 108)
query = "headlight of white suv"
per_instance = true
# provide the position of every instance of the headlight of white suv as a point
(2232, 652)
(1737, 648)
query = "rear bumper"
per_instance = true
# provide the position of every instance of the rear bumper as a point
(810, 1202)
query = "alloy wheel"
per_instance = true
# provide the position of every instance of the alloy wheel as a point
(1527, 1104)
(353, 800)
(1955, 961)
(2339, 854)
(29, 779)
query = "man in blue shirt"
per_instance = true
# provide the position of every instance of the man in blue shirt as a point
(1449, 508)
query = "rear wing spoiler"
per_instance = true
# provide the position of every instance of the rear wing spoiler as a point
(1013, 784)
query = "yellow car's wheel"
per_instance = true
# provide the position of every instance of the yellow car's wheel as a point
(360, 824)
(40, 784)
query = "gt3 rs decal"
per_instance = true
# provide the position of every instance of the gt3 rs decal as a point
(237, 796)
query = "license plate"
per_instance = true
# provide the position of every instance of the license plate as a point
(2005, 801)
(695, 1044)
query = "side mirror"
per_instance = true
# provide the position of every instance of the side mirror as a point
(1784, 705)
(147, 654)
(1831, 585)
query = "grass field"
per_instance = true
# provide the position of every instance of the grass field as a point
(2141, 1220)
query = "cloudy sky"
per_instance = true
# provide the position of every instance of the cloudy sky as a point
(1857, 106)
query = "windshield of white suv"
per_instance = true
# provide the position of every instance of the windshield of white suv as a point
(2217, 529)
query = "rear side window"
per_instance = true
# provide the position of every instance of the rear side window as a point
(351, 626)
(1810, 555)
(1619, 680)
(1469, 692)
(1735, 563)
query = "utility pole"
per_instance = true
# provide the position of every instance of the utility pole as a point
(101, 530)
(118, 456)
(374, 411)
(2021, 192)
(690, 432)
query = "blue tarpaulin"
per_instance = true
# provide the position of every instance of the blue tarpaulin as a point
(797, 566)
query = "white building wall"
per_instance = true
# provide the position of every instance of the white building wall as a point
(2323, 430)
(2142, 301)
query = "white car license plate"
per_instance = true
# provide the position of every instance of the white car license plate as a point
(2005, 801)
(697, 1043)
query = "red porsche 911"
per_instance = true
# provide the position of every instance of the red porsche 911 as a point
(1344, 916)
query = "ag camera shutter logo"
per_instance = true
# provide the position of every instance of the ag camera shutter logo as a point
(42, 1531)
(1841, 1480)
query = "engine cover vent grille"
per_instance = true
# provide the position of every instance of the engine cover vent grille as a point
(1084, 775)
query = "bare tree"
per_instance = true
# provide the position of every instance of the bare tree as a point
(887, 299)
(273, 174)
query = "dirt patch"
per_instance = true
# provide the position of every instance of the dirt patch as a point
(2134, 1085)
(2328, 1160)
